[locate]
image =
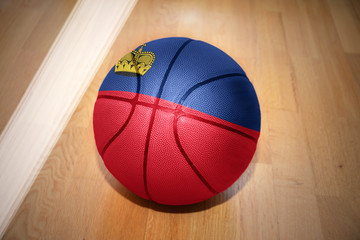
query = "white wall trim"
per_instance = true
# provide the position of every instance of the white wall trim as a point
(53, 94)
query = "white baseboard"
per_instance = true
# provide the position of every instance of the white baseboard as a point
(53, 94)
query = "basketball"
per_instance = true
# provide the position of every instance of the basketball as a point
(176, 121)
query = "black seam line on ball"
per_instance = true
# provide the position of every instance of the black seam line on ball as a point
(148, 135)
(187, 158)
(188, 92)
(175, 111)
(133, 106)
(170, 66)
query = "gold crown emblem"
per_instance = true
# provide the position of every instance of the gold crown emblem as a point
(135, 63)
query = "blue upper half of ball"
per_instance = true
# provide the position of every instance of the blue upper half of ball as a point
(194, 74)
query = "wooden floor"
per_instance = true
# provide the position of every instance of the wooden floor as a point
(303, 58)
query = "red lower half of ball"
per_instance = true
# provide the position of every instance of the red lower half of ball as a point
(167, 152)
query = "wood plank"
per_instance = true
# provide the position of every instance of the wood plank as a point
(354, 63)
(347, 24)
(293, 182)
(297, 30)
(330, 124)
(346, 223)
(330, 97)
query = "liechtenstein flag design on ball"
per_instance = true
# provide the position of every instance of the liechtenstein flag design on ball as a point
(176, 121)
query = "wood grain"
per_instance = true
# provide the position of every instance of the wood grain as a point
(303, 183)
